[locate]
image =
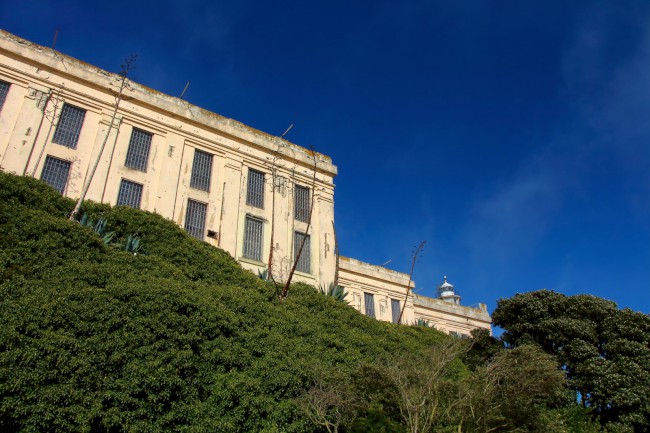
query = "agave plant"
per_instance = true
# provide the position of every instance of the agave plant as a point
(263, 275)
(99, 227)
(422, 322)
(337, 292)
(133, 245)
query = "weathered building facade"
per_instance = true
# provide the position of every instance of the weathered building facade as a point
(222, 181)
(230, 185)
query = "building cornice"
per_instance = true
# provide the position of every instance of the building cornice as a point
(44, 58)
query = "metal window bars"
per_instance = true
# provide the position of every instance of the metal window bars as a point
(201, 170)
(69, 126)
(253, 238)
(301, 203)
(130, 194)
(55, 173)
(395, 309)
(304, 261)
(4, 89)
(195, 218)
(255, 190)
(369, 302)
(137, 156)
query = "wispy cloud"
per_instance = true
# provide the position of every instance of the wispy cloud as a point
(509, 220)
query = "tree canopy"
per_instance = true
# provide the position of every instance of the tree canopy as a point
(604, 350)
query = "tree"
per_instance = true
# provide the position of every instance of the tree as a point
(425, 385)
(330, 402)
(510, 392)
(123, 84)
(604, 351)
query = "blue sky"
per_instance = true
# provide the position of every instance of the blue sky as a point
(512, 136)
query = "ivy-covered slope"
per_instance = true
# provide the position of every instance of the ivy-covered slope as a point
(180, 339)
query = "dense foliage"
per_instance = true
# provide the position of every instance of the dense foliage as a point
(96, 338)
(605, 351)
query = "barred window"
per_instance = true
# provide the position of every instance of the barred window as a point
(195, 218)
(304, 261)
(395, 309)
(69, 126)
(201, 170)
(255, 194)
(55, 173)
(369, 302)
(138, 154)
(301, 203)
(4, 89)
(130, 194)
(253, 238)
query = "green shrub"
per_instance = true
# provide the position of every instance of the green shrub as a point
(33, 194)
(96, 339)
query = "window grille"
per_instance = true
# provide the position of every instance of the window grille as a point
(195, 218)
(4, 89)
(304, 261)
(130, 194)
(253, 238)
(137, 155)
(369, 302)
(255, 194)
(55, 173)
(395, 309)
(201, 170)
(69, 126)
(301, 203)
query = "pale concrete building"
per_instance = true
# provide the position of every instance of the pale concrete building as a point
(376, 291)
(446, 313)
(381, 293)
(224, 182)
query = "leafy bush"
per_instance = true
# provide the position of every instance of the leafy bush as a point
(96, 339)
(33, 194)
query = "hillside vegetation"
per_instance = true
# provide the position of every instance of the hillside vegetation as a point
(93, 338)
(97, 339)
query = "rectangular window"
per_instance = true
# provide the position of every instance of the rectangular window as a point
(69, 126)
(304, 261)
(253, 238)
(395, 309)
(130, 194)
(137, 155)
(201, 170)
(255, 191)
(55, 173)
(369, 302)
(195, 218)
(301, 203)
(4, 89)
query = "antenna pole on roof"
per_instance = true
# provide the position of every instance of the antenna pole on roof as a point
(56, 35)
(185, 90)
(288, 129)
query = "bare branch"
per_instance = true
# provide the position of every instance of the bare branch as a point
(416, 253)
(127, 66)
(285, 290)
